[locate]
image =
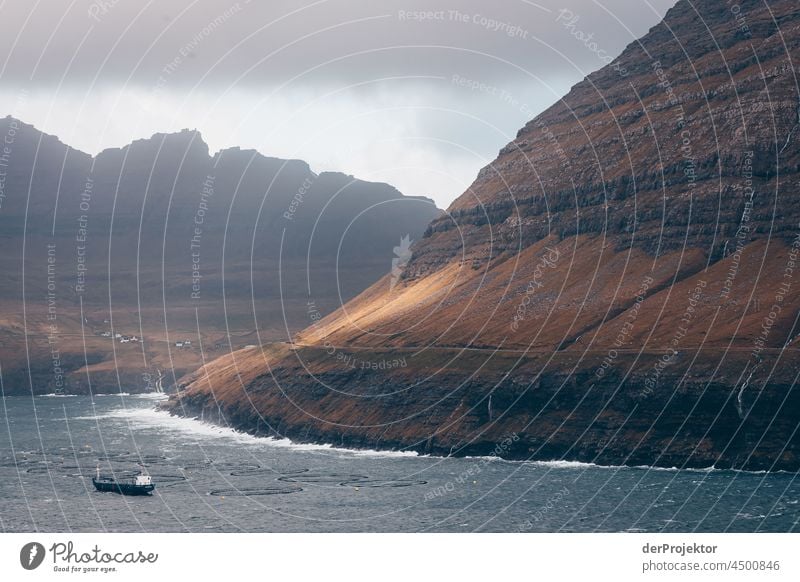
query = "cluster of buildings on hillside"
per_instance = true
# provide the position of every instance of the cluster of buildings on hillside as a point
(123, 339)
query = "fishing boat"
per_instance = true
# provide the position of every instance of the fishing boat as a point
(136, 485)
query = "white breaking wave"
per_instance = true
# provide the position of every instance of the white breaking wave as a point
(152, 419)
(372, 453)
(160, 420)
(140, 395)
(570, 465)
(151, 396)
(582, 465)
(146, 395)
(54, 395)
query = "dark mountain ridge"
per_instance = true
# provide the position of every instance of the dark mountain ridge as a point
(163, 239)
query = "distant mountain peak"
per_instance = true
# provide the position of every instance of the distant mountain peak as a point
(251, 154)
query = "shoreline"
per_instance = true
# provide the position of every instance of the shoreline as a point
(355, 441)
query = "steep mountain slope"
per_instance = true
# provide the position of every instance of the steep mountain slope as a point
(619, 286)
(163, 240)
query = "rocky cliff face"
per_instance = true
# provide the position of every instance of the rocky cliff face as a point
(618, 286)
(654, 152)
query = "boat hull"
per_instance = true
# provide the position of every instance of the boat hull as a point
(122, 488)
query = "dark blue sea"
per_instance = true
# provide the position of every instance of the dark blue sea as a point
(212, 479)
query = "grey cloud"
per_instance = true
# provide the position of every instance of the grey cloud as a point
(368, 88)
(252, 43)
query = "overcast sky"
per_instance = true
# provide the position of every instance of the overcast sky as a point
(420, 94)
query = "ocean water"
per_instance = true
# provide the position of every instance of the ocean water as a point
(214, 479)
